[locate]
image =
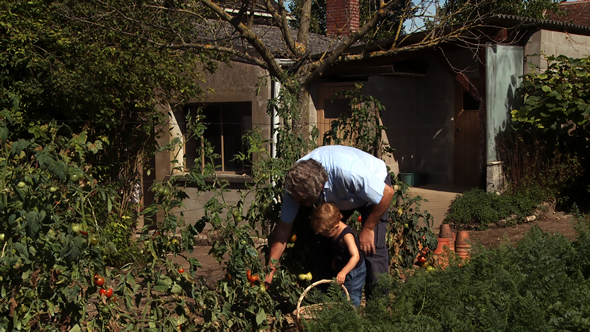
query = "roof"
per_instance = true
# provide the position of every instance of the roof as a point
(549, 24)
(270, 35)
(496, 21)
(576, 12)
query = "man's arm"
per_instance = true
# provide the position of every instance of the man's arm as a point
(367, 234)
(280, 235)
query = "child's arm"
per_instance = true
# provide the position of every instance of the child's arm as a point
(354, 258)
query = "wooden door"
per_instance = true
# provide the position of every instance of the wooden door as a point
(467, 144)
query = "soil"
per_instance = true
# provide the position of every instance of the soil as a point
(551, 222)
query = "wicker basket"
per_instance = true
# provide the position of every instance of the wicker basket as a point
(307, 311)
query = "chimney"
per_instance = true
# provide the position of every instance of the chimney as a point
(342, 17)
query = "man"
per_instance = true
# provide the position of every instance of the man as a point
(352, 180)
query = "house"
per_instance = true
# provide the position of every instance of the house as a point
(445, 107)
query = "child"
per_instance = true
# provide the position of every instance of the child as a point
(348, 263)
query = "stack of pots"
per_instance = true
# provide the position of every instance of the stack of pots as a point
(456, 242)
(462, 245)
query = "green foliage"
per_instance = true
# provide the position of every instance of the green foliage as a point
(51, 207)
(552, 134)
(468, 10)
(109, 84)
(479, 208)
(530, 167)
(360, 127)
(556, 102)
(410, 231)
(540, 284)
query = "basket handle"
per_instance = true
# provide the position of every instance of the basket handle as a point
(319, 282)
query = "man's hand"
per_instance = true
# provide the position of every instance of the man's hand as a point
(367, 241)
(277, 247)
(271, 273)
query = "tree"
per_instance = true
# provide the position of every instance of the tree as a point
(387, 28)
(207, 25)
(87, 78)
(464, 10)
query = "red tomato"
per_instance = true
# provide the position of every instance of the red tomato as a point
(102, 291)
(99, 281)
(109, 293)
(359, 219)
(181, 270)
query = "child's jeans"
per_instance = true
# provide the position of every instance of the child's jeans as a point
(354, 283)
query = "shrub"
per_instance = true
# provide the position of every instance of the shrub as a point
(480, 208)
(539, 285)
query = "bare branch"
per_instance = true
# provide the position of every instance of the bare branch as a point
(252, 38)
(281, 19)
(321, 67)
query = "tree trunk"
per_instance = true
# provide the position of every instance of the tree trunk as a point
(302, 124)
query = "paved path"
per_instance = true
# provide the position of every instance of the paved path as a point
(439, 200)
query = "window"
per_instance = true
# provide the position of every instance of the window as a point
(226, 123)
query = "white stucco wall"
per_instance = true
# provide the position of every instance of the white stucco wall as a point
(554, 43)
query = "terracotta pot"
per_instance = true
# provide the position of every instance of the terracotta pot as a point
(462, 244)
(447, 233)
(442, 242)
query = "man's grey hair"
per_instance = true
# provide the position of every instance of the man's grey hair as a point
(306, 179)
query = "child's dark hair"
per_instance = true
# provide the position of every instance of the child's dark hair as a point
(325, 217)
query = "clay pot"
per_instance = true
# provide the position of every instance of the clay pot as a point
(462, 244)
(442, 243)
(441, 254)
(447, 233)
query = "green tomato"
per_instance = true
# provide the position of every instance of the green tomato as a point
(93, 240)
(2, 236)
(74, 177)
(166, 191)
(430, 268)
(76, 228)
(21, 184)
(53, 189)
